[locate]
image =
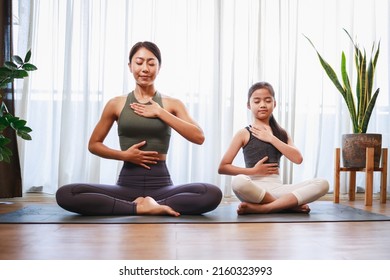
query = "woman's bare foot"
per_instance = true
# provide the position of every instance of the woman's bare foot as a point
(251, 208)
(148, 206)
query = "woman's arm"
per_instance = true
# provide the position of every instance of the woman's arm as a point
(173, 114)
(133, 154)
(101, 130)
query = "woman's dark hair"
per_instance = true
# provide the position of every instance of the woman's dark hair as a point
(152, 47)
(277, 130)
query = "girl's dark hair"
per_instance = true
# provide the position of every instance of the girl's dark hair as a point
(277, 130)
(152, 47)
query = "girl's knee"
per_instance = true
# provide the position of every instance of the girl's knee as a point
(239, 182)
(246, 190)
(323, 186)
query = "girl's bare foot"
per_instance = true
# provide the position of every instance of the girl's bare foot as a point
(251, 208)
(148, 206)
(300, 209)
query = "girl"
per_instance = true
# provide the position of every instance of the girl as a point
(259, 185)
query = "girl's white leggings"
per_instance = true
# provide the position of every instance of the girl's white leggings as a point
(253, 188)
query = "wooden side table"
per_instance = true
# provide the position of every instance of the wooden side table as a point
(369, 170)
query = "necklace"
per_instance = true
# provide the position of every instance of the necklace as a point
(141, 99)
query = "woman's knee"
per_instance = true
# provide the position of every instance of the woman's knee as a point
(215, 193)
(208, 198)
(62, 193)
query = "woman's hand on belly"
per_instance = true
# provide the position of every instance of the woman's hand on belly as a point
(140, 157)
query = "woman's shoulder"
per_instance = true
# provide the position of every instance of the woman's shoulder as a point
(117, 99)
(116, 104)
(171, 101)
(168, 97)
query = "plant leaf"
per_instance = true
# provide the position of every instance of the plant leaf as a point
(24, 136)
(348, 97)
(10, 65)
(18, 124)
(4, 141)
(365, 69)
(25, 129)
(17, 59)
(29, 67)
(329, 71)
(371, 69)
(27, 57)
(4, 83)
(20, 74)
(4, 154)
(362, 93)
(4, 71)
(368, 112)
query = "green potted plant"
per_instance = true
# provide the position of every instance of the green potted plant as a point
(360, 102)
(16, 68)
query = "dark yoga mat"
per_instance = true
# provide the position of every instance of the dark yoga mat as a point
(321, 211)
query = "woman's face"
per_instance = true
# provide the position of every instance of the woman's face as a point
(144, 66)
(261, 104)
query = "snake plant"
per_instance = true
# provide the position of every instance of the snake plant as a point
(16, 68)
(361, 102)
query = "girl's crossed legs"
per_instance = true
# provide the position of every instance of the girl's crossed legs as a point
(267, 194)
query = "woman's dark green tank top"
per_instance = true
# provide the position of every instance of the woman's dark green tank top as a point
(133, 128)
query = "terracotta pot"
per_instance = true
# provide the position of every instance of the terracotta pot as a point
(354, 149)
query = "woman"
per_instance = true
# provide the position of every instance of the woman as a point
(258, 185)
(145, 118)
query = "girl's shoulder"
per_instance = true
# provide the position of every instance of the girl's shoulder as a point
(242, 136)
(243, 131)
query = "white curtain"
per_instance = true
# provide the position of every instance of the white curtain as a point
(212, 51)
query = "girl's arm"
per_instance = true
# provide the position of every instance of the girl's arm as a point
(226, 166)
(288, 150)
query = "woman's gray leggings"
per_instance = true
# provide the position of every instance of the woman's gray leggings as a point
(135, 181)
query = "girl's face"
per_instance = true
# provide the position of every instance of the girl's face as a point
(144, 66)
(262, 104)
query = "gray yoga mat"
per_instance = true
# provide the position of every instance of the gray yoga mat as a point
(321, 211)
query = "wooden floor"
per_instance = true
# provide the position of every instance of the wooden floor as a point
(268, 241)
